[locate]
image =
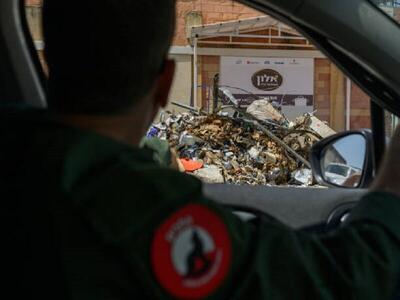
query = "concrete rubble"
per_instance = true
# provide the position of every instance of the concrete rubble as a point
(257, 146)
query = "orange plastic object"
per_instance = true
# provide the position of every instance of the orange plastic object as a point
(191, 165)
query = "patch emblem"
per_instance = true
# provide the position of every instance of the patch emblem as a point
(191, 252)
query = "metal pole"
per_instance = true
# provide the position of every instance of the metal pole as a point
(283, 144)
(188, 107)
(348, 103)
(195, 75)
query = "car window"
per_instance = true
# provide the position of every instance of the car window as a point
(342, 170)
(390, 7)
(33, 9)
(251, 95)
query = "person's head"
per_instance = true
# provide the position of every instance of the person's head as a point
(106, 56)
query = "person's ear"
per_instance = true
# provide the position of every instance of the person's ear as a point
(164, 82)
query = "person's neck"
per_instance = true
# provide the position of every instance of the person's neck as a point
(126, 129)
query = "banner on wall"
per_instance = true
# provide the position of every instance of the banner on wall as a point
(289, 82)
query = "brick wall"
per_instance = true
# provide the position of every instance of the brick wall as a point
(33, 2)
(360, 102)
(212, 11)
(322, 82)
(360, 109)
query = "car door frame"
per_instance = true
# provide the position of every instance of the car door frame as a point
(21, 69)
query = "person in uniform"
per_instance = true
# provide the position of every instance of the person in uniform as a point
(123, 224)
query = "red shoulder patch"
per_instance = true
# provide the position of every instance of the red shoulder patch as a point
(191, 252)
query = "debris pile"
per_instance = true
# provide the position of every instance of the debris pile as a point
(257, 146)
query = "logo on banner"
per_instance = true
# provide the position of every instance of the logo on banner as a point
(251, 62)
(267, 80)
(191, 252)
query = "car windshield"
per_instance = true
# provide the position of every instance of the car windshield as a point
(338, 169)
(251, 95)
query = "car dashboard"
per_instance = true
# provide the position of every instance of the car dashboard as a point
(296, 207)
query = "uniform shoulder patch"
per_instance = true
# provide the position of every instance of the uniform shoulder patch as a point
(191, 252)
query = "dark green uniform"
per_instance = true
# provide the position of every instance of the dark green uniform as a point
(129, 229)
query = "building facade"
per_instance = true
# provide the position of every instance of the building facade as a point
(199, 49)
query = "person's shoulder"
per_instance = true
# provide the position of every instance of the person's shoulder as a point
(128, 196)
(165, 182)
(131, 177)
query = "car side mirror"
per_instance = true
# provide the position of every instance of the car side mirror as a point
(344, 160)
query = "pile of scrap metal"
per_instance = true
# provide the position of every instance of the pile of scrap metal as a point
(256, 146)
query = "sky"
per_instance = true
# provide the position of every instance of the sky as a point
(352, 148)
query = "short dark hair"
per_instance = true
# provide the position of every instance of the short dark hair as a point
(103, 55)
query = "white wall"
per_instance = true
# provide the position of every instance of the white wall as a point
(181, 89)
